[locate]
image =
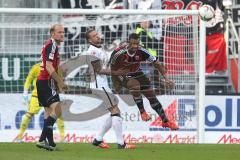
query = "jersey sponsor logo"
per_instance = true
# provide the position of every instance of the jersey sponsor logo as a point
(137, 57)
(51, 56)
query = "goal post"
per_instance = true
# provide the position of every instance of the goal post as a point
(181, 48)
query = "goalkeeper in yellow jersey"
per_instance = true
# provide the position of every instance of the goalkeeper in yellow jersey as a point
(33, 104)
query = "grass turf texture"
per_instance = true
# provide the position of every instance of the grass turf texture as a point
(28, 151)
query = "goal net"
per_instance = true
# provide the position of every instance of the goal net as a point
(177, 45)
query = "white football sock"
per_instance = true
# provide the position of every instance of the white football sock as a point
(106, 126)
(117, 127)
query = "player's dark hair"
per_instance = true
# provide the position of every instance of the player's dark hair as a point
(133, 36)
(87, 35)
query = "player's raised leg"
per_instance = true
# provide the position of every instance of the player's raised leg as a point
(157, 106)
(134, 87)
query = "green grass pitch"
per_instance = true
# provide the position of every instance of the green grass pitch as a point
(28, 151)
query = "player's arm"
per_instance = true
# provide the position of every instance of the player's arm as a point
(156, 64)
(61, 72)
(30, 77)
(50, 69)
(169, 84)
(27, 84)
(160, 68)
(107, 71)
(55, 76)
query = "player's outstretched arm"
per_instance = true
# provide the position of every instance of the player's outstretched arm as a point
(160, 68)
(163, 71)
(107, 71)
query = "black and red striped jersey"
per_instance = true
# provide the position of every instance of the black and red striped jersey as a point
(49, 53)
(120, 58)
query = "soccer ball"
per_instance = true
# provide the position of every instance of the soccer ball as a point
(206, 12)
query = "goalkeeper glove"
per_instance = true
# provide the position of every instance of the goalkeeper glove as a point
(25, 97)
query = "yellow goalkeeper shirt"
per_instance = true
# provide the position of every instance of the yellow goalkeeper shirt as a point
(32, 78)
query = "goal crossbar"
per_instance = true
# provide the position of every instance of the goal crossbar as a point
(98, 11)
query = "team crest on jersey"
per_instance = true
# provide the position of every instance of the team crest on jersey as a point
(93, 53)
(137, 58)
(51, 55)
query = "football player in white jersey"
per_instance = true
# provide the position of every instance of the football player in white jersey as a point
(101, 70)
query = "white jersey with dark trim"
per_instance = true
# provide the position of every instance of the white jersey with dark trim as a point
(101, 80)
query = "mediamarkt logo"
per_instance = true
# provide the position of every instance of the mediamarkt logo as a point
(158, 138)
(229, 139)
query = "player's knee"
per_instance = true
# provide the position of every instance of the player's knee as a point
(135, 91)
(114, 110)
(56, 109)
(136, 94)
(117, 115)
(133, 84)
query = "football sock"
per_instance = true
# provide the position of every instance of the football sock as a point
(139, 103)
(44, 133)
(49, 129)
(106, 126)
(117, 127)
(60, 124)
(24, 124)
(158, 108)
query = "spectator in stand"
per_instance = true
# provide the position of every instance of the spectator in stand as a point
(144, 4)
(147, 40)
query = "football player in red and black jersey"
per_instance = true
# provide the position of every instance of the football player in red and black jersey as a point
(129, 56)
(49, 84)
